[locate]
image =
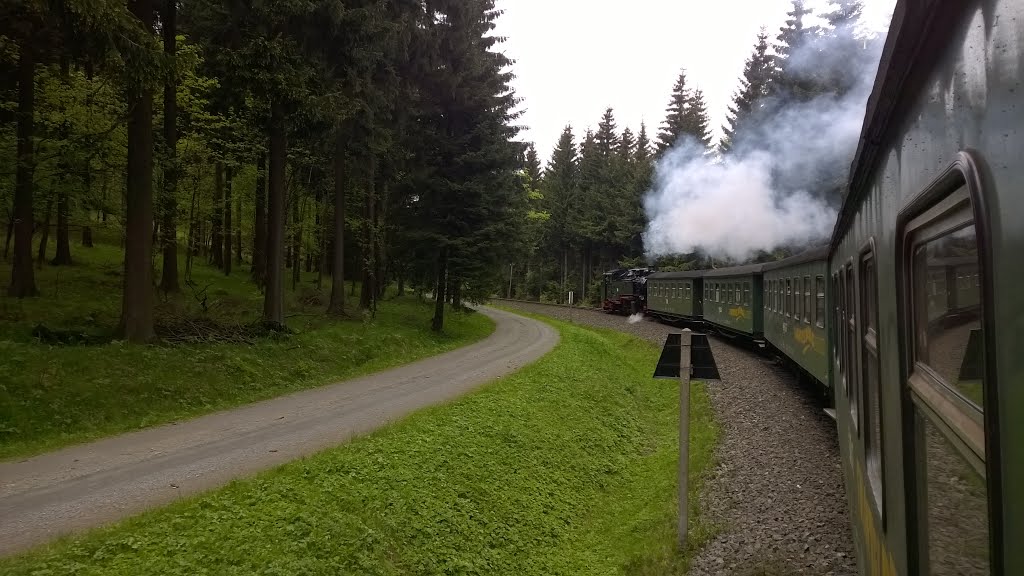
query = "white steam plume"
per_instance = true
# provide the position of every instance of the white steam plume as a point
(767, 191)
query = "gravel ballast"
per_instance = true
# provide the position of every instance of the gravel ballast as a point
(776, 491)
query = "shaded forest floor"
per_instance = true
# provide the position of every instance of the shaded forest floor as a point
(55, 394)
(565, 467)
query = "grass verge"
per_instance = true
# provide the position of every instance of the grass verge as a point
(565, 467)
(52, 396)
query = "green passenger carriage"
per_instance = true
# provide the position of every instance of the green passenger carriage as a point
(795, 312)
(675, 295)
(925, 274)
(733, 300)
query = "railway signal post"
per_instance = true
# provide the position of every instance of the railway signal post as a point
(694, 360)
(684, 433)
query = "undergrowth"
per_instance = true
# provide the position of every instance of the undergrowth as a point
(565, 467)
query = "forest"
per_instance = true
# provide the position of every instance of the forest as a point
(302, 143)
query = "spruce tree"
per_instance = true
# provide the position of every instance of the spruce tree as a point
(754, 87)
(643, 146)
(605, 139)
(532, 166)
(686, 114)
(627, 144)
(673, 125)
(794, 78)
(697, 121)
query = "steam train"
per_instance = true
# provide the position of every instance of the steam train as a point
(912, 317)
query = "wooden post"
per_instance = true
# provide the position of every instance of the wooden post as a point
(684, 434)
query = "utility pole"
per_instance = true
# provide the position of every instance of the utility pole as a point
(684, 434)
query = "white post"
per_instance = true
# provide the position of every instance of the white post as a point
(684, 434)
(510, 281)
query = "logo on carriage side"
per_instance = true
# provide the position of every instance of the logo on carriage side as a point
(805, 337)
(738, 313)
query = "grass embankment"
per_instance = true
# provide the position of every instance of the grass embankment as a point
(52, 396)
(565, 467)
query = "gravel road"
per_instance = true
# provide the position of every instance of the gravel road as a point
(92, 484)
(777, 489)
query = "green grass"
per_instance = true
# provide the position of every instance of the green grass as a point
(51, 396)
(565, 467)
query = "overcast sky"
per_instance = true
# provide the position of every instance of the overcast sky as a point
(574, 58)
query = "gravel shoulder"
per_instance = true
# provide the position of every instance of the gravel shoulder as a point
(93, 484)
(776, 490)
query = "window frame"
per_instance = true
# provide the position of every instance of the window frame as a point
(852, 346)
(807, 300)
(746, 293)
(962, 181)
(820, 303)
(868, 342)
(789, 293)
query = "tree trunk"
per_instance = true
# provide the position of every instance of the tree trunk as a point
(217, 246)
(259, 233)
(87, 236)
(10, 232)
(229, 174)
(169, 276)
(366, 298)
(337, 305)
(137, 303)
(273, 303)
(44, 239)
(23, 282)
(296, 240)
(238, 229)
(437, 324)
(63, 256)
(457, 294)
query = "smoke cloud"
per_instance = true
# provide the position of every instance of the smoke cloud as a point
(780, 184)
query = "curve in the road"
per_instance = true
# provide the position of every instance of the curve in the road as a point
(89, 485)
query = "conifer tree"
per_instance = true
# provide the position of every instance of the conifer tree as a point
(686, 114)
(795, 78)
(627, 144)
(674, 123)
(532, 166)
(643, 146)
(754, 87)
(605, 139)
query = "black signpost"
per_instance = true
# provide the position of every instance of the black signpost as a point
(685, 356)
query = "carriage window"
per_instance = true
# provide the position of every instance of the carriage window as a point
(870, 377)
(947, 383)
(786, 304)
(746, 294)
(947, 323)
(718, 293)
(794, 300)
(807, 299)
(689, 290)
(739, 293)
(953, 505)
(851, 349)
(819, 309)
(837, 324)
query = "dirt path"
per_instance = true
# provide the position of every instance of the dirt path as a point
(93, 484)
